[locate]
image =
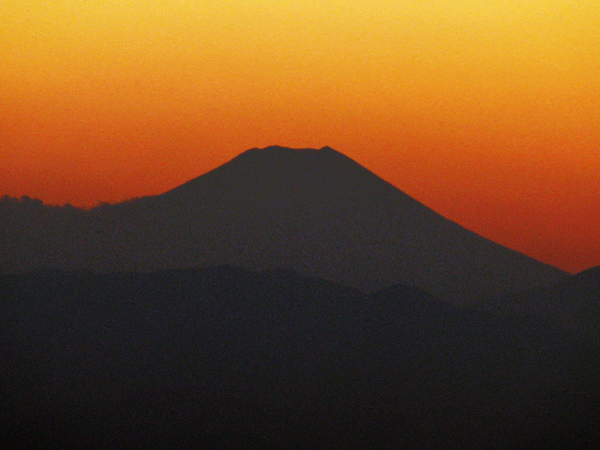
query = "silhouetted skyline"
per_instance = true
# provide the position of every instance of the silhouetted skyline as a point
(487, 112)
(432, 283)
(317, 212)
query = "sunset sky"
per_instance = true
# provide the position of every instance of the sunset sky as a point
(486, 111)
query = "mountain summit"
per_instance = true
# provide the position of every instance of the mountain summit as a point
(316, 212)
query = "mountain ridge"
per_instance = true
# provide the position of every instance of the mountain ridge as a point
(572, 304)
(317, 212)
(168, 359)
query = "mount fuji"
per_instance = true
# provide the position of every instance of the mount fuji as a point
(316, 212)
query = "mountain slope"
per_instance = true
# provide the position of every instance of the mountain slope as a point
(572, 304)
(313, 211)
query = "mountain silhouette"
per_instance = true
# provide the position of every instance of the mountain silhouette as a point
(227, 358)
(572, 304)
(316, 212)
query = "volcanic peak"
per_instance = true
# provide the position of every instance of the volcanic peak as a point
(279, 152)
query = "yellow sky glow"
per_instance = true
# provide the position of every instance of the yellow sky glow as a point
(489, 112)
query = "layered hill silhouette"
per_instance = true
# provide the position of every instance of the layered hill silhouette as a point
(316, 212)
(226, 358)
(572, 304)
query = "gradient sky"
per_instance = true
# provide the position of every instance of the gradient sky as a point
(488, 112)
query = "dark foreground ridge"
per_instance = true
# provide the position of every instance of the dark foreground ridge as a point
(227, 358)
(316, 212)
(572, 304)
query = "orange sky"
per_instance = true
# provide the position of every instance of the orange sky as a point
(488, 112)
